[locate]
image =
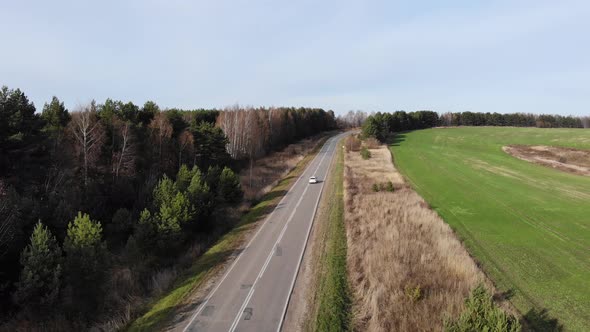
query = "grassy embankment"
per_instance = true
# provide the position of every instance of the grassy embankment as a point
(162, 310)
(528, 225)
(330, 305)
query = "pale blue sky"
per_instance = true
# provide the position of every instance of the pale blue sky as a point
(504, 56)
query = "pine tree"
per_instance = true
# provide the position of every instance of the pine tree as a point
(40, 280)
(164, 191)
(21, 139)
(200, 197)
(229, 187)
(173, 214)
(86, 257)
(56, 118)
(212, 177)
(183, 178)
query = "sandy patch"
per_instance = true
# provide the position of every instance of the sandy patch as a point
(567, 160)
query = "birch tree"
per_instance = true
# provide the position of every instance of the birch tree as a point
(124, 157)
(88, 134)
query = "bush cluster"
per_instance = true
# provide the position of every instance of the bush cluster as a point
(385, 186)
(481, 314)
(365, 153)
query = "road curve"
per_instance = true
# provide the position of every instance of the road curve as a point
(254, 292)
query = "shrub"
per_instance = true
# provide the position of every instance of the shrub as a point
(40, 279)
(376, 187)
(414, 293)
(389, 186)
(365, 153)
(481, 314)
(353, 143)
(372, 143)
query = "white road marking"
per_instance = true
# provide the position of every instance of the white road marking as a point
(315, 209)
(268, 259)
(249, 243)
(237, 319)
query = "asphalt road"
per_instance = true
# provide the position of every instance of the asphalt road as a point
(255, 290)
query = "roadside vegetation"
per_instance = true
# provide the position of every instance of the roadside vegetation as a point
(481, 314)
(365, 153)
(526, 224)
(268, 170)
(161, 310)
(404, 262)
(330, 304)
(104, 207)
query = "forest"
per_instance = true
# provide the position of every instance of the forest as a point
(381, 125)
(113, 190)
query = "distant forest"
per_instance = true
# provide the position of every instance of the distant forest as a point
(116, 190)
(380, 125)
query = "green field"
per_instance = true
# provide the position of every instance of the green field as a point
(528, 225)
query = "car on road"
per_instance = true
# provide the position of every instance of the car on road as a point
(313, 179)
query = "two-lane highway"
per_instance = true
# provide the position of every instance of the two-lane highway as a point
(254, 292)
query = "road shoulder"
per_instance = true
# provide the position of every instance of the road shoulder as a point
(306, 299)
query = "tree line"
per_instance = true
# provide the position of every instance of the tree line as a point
(116, 186)
(254, 132)
(381, 125)
(512, 120)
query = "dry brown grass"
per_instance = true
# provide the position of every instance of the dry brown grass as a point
(268, 170)
(352, 143)
(406, 267)
(372, 143)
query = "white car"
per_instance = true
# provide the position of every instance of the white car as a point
(313, 180)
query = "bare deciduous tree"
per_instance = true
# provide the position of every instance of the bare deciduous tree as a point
(255, 136)
(124, 158)
(185, 142)
(447, 119)
(161, 131)
(352, 119)
(88, 134)
(245, 132)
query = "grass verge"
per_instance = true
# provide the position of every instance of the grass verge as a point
(333, 295)
(161, 310)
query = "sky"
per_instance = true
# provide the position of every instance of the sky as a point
(481, 56)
